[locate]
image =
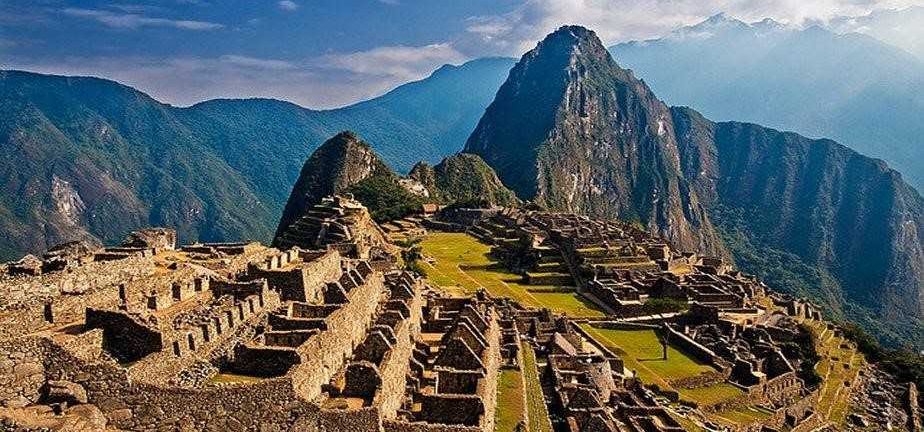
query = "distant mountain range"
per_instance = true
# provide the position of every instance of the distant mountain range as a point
(898, 27)
(573, 131)
(91, 159)
(848, 87)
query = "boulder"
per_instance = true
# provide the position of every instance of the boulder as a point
(91, 415)
(66, 392)
(157, 238)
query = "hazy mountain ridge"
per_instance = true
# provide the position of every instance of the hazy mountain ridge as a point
(574, 131)
(218, 170)
(850, 87)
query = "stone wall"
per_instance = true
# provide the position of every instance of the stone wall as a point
(366, 419)
(403, 426)
(324, 354)
(267, 405)
(29, 301)
(492, 363)
(689, 346)
(778, 391)
(303, 282)
(227, 322)
(22, 372)
(394, 369)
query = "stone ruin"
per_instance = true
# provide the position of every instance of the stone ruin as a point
(337, 222)
(323, 333)
(238, 336)
(614, 264)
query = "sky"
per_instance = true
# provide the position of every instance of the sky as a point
(329, 53)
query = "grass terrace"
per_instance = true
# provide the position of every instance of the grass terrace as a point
(742, 416)
(535, 401)
(641, 352)
(839, 368)
(510, 402)
(461, 265)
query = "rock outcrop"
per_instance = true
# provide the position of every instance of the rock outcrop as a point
(339, 164)
(573, 131)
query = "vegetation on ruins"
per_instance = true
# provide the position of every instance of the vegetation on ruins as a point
(411, 254)
(510, 400)
(535, 402)
(902, 363)
(385, 198)
(665, 305)
(804, 348)
(641, 350)
(463, 263)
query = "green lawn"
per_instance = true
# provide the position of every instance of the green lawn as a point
(744, 416)
(463, 265)
(712, 394)
(535, 403)
(510, 403)
(641, 352)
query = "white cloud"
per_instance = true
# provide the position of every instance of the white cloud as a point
(901, 28)
(133, 20)
(288, 5)
(619, 20)
(324, 82)
(257, 63)
(400, 62)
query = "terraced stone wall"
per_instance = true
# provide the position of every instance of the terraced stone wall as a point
(31, 303)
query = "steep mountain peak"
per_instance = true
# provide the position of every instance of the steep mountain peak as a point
(574, 44)
(340, 163)
(573, 131)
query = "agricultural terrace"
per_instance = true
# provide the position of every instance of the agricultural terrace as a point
(510, 403)
(839, 369)
(460, 264)
(535, 401)
(641, 352)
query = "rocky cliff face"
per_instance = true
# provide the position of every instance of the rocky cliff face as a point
(463, 177)
(572, 130)
(336, 166)
(845, 214)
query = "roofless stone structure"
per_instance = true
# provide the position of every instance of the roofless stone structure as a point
(324, 332)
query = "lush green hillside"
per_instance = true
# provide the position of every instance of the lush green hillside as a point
(463, 178)
(90, 158)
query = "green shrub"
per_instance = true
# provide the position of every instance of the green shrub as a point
(385, 198)
(665, 305)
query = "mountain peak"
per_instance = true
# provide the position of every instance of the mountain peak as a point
(571, 40)
(573, 131)
(341, 162)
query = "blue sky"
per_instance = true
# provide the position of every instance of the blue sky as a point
(326, 53)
